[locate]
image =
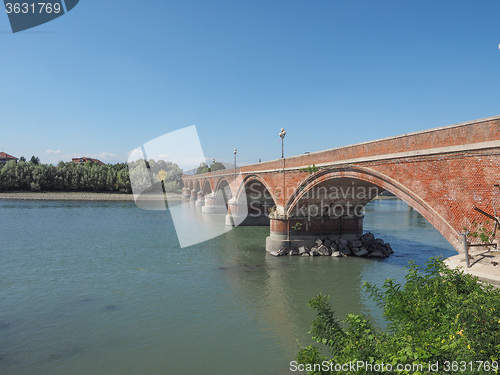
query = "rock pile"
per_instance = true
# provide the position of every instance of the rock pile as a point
(367, 245)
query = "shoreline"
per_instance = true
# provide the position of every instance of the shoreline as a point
(484, 264)
(75, 196)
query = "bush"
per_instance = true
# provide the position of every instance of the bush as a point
(35, 186)
(438, 315)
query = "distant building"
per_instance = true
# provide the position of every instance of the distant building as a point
(84, 160)
(4, 158)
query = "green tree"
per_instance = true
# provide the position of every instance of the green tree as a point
(438, 315)
(123, 180)
(171, 176)
(24, 175)
(35, 160)
(217, 166)
(202, 168)
(8, 177)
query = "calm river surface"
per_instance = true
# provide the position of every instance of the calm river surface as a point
(104, 288)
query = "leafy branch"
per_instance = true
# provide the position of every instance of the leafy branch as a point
(311, 169)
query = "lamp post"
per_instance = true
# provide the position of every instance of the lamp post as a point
(235, 161)
(282, 136)
(212, 170)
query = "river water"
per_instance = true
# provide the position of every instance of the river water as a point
(104, 288)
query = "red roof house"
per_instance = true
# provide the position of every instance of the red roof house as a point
(4, 158)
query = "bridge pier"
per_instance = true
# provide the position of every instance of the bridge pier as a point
(186, 193)
(252, 214)
(214, 205)
(200, 202)
(294, 232)
(194, 195)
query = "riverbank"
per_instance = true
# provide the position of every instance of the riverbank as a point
(483, 264)
(74, 196)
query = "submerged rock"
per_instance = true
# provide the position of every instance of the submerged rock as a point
(293, 252)
(388, 248)
(283, 251)
(377, 254)
(361, 253)
(367, 239)
(356, 243)
(303, 250)
(366, 245)
(344, 250)
(323, 250)
(343, 242)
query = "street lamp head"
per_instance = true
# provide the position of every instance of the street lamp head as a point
(213, 160)
(282, 130)
(235, 151)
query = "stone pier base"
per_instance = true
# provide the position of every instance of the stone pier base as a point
(295, 232)
(200, 201)
(194, 195)
(186, 193)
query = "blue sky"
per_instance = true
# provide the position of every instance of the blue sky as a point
(109, 76)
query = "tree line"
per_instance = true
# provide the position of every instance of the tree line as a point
(92, 177)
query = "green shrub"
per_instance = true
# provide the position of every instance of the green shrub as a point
(438, 315)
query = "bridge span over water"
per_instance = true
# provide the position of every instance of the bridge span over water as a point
(443, 173)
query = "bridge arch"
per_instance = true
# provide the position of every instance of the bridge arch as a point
(206, 187)
(222, 192)
(253, 201)
(367, 179)
(256, 184)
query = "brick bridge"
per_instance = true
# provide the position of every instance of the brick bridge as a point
(443, 173)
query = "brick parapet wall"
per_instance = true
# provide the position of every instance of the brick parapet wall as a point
(454, 135)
